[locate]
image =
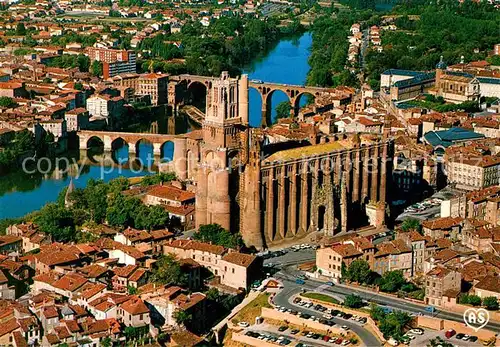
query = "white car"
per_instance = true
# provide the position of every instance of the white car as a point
(310, 335)
(344, 327)
(416, 331)
(393, 342)
(466, 337)
(327, 316)
(345, 343)
(243, 324)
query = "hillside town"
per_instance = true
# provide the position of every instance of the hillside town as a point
(155, 192)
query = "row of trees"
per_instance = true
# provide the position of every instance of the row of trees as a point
(490, 302)
(96, 203)
(390, 282)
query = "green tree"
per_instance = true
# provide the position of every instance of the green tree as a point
(132, 290)
(6, 102)
(283, 110)
(491, 303)
(218, 235)
(163, 177)
(475, 300)
(393, 324)
(106, 342)
(377, 313)
(20, 29)
(359, 271)
(57, 221)
(392, 281)
(96, 68)
(353, 301)
(182, 317)
(213, 294)
(411, 224)
(168, 272)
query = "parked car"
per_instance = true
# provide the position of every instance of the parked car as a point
(282, 328)
(392, 342)
(459, 336)
(243, 324)
(297, 300)
(473, 338)
(449, 333)
(417, 331)
(294, 331)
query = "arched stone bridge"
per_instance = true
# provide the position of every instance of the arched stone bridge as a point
(265, 89)
(185, 154)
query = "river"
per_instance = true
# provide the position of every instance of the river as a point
(22, 193)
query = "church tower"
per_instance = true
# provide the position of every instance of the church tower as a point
(226, 118)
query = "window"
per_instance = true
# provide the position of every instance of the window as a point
(233, 270)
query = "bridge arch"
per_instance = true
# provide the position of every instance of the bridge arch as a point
(272, 99)
(120, 150)
(302, 99)
(145, 152)
(95, 141)
(167, 151)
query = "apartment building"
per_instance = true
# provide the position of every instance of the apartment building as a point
(155, 85)
(114, 61)
(234, 269)
(439, 281)
(105, 107)
(329, 260)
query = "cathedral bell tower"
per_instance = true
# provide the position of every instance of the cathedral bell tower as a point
(226, 118)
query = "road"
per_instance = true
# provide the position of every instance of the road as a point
(291, 289)
(292, 257)
(288, 277)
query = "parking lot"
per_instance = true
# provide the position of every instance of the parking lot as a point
(288, 256)
(285, 336)
(422, 340)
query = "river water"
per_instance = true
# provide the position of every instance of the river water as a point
(22, 193)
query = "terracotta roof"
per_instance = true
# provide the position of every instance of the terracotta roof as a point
(239, 259)
(489, 283)
(445, 255)
(19, 339)
(439, 272)
(347, 250)
(70, 281)
(8, 327)
(442, 223)
(92, 290)
(135, 235)
(137, 275)
(125, 271)
(50, 312)
(161, 234)
(93, 271)
(185, 302)
(134, 306)
(170, 192)
(196, 245)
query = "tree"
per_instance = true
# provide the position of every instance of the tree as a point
(131, 290)
(218, 235)
(353, 301)
(162, 177)
(96, 68)
(283, 110)
(359, 271)
(411, 224)
(20, 29)
(392, 281)
(106, 342)
(182, 317)
(213, 294)
(438, 341)
(6, 102)
(491, 303)
(169, 272)
(57, 221)
(377, 313)
(474, 300)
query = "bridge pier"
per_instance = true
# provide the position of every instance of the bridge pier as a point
(131, 148)
(107, 143)
(157, 148)
(180, 158)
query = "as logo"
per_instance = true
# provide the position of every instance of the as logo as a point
(476, 318)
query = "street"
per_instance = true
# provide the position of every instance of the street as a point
(288, 276)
